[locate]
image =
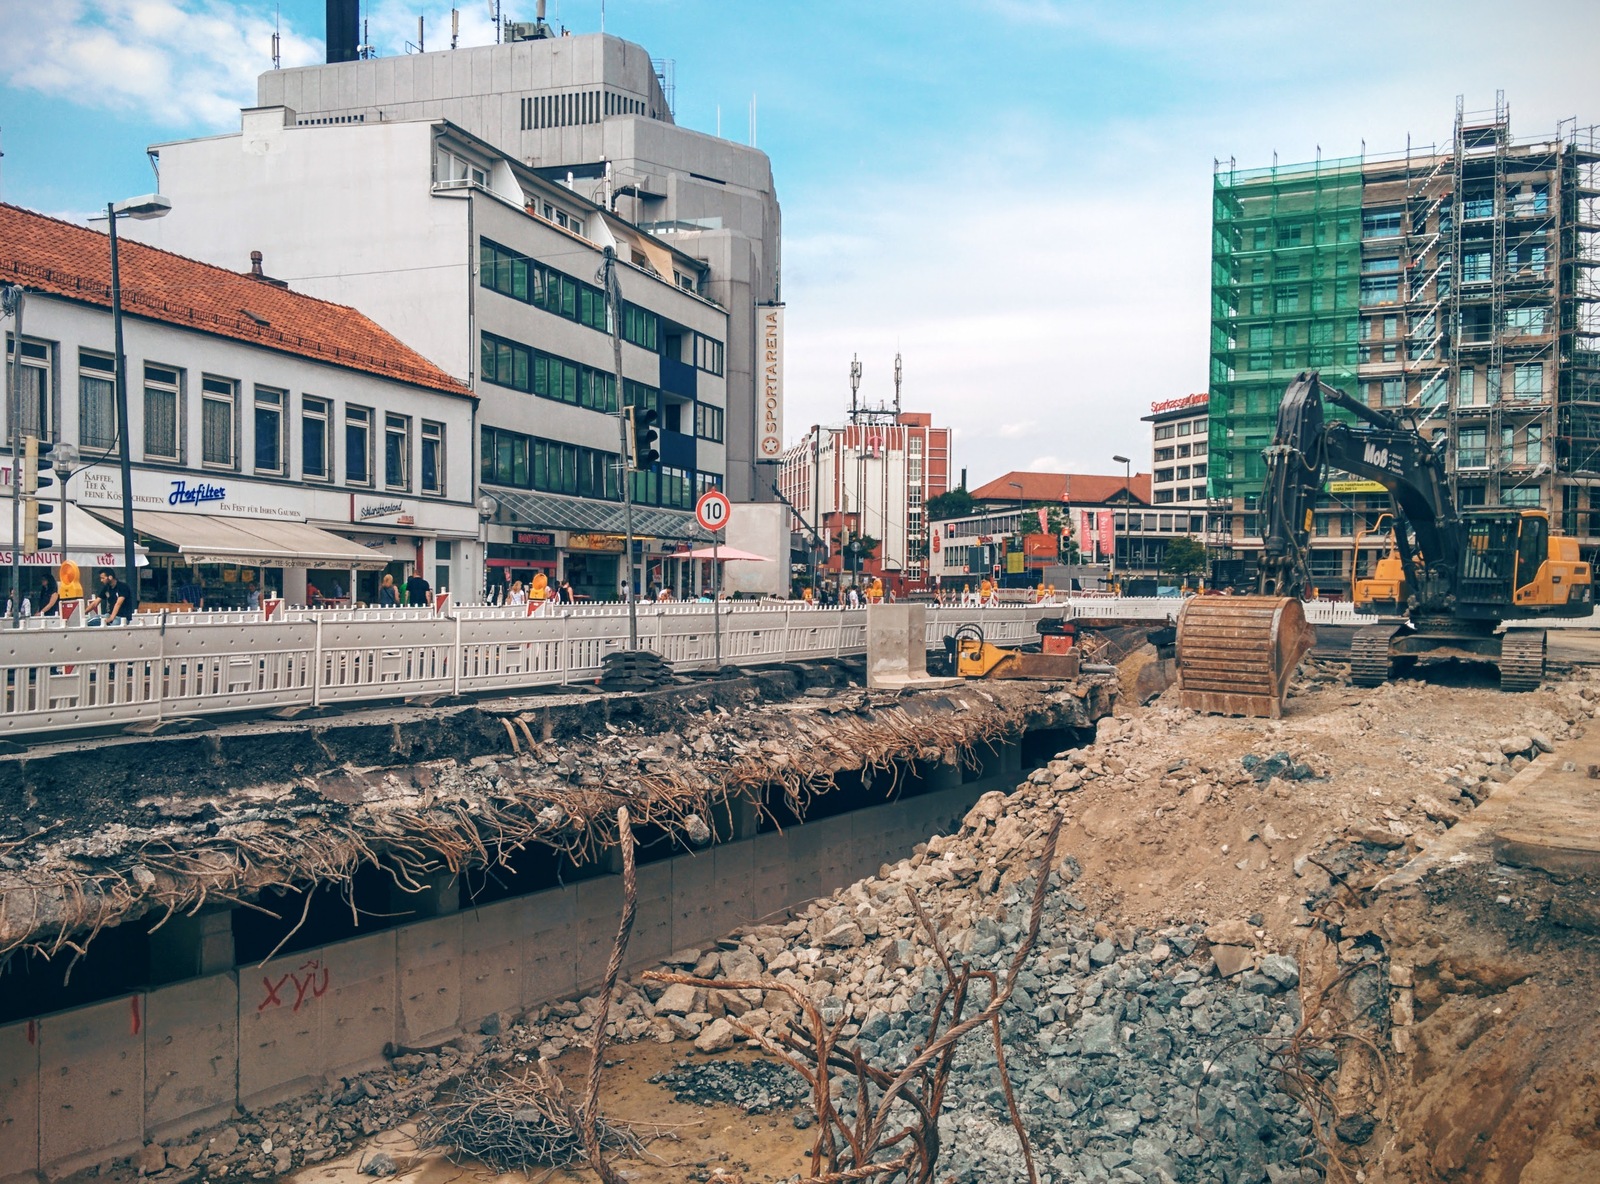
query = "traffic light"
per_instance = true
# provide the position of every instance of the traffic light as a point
(642, 427)
(36, 479)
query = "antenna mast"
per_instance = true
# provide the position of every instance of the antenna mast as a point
(277, 39)
(897, 384)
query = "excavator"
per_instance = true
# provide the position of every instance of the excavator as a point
(1453, 576)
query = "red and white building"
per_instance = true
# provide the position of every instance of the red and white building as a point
(870, 479)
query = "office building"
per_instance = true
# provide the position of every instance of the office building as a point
(1457, 284)
(869, 479)
(595, 113)
(493, 272)
(1179, 456)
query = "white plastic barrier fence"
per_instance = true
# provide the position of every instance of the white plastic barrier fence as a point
(58, 678)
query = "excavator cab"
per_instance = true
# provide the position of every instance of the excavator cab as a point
(1384, 591)
(1548, 574)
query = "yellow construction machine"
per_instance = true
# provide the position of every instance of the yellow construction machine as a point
(970, 656)
(1453, 576)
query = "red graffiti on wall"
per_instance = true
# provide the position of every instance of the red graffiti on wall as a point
(305, 983)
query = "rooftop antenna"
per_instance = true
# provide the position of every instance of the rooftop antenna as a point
(602, 16)
(494, 15)
(855, 384)
(277, 39)
(421, 45)
(455, 26)
(897, 383)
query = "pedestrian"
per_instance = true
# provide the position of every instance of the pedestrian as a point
(388, 594)
(418, 591)
(116, 606)
(565, 594)
(192, 592)
(49, 599)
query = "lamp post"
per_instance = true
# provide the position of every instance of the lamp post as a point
(609, 280)
(65, 459)
(151, 205)
(1127, 489)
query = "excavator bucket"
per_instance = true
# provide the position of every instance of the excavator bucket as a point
(1236, 654)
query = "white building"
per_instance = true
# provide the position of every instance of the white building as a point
(276, 439)
(1179, 466)
(870, 479)
(491, 271)
(594, 112)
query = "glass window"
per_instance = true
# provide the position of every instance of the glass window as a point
(33, 381)
(1477, 267)
(1380, 290)
(1527, 380)
(316, 461)
(97, 401)
(269, 429)
(217, 397)
(1472, 448)
(161, 422)
(708, 422)
(432, 457)
(1380, 223)
(358, 445)
(1466, 388)
(397, 451)
(1520, 497)
(1525, 321)
(708, 354)
(1534, 450)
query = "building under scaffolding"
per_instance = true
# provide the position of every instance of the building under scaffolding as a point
(1461, 282)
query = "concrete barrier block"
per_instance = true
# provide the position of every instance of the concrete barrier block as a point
(91, 1084)
(191, 1050)
(281, 1049)
(429, 957)
(549, 965)
(598, 908)
(19, 1100)
(772, 880)
(492, 958)
(732, 863)
(358, 1009)
(693, 894)
(652, 925)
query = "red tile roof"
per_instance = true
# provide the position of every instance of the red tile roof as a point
(47, 255)
(1078, 488)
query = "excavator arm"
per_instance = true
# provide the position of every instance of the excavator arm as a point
(1381, 448)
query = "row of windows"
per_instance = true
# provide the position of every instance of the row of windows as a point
(532, 371)
(1517, 446)
(551, 466)
(1164, 497)
(1167, 431)
(1198, 448)
(1527, 384)
(225, 407)
(1163, 523)
(1179, 473)
(515, 275)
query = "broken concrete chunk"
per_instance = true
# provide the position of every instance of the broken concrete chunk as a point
(1232, 960)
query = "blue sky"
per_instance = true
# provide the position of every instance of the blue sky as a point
(1012, 193)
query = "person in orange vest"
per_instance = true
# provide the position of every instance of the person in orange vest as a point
(986, 591)
(875, 591)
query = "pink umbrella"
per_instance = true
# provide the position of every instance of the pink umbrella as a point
(720, 553)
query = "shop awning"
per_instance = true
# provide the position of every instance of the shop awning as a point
(91, 543)
(253, 542)
(552, 511)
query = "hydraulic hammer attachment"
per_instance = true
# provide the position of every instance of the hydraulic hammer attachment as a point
(1236, 654)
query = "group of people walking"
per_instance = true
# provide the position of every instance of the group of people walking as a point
(540, 590)
(61, 595)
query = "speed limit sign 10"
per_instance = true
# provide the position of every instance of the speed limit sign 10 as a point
(712, 510)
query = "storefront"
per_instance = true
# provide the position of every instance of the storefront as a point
(530, 553)
(225, 543)
(593, 563)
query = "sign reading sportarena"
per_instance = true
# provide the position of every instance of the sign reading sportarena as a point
(769, 414)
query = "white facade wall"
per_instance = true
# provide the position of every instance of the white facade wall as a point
(345, 508)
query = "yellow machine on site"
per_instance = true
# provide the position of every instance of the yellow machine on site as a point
(970, 656)
(1454, 576)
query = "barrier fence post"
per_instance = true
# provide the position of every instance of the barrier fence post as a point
(455, 657)
(316, 665)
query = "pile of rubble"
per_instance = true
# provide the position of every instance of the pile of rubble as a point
(1155, 1035)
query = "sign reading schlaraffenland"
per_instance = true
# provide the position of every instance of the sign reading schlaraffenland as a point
(770, 443)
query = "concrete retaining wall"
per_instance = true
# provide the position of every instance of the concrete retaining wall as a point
(83, 1086)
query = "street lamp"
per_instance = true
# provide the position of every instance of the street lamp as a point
(1127, 502)
(65, 459)
(151, 205)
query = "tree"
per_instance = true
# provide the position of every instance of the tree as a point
(1183, 557)
(955, 504)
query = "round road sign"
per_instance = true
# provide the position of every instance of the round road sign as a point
(712, 510)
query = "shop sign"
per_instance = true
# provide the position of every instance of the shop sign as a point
(156, 491)
(533, 538)
(390, 511)
(770, 442)
(594, 542)
(1200, 400)
(1355, 487)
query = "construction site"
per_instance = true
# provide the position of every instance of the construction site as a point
(1458, 281)
(783, 926)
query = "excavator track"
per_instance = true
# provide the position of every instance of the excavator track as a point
(1522, 659)
(1369, 656)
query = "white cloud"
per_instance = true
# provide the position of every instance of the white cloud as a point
(183, 63)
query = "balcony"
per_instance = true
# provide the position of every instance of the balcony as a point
(677, 378)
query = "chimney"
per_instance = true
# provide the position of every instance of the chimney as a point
(257, 274)
(344, 29)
